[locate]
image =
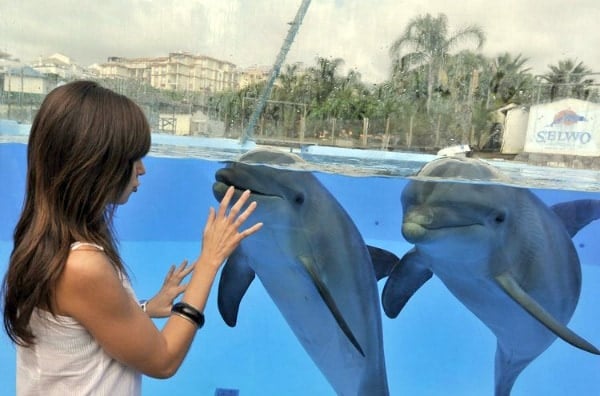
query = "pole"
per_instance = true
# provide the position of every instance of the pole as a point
(287, 43)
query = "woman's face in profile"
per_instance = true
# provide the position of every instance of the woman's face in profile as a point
(134, 183)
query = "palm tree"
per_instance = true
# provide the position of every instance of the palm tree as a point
(348, 100)
(324, 77)
(568, 78)
(288, 99)
(509, 77)
(461, 84)
(290, 82)
(428, 43)
(400, 101)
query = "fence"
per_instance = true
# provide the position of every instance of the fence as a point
(290, 123)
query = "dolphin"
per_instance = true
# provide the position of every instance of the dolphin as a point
(315, 266)
(500, 250)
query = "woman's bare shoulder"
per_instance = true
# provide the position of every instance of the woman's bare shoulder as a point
(87, 277)
(88, 263)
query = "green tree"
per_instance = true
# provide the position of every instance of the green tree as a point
(323, 79)
(509, 80)
(461, 91)
(289, 99)
(427, 42)
(290, 84)
(568, 79)
(401, 101)
(349, 99)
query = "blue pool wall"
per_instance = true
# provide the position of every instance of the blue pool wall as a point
(435, 347)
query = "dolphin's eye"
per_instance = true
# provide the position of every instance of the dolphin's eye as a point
(299, 199)
(500, 217)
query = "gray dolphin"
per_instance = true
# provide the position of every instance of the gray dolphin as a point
(500, 250)
(315, 266)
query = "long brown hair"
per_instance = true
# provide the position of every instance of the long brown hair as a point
(82, 147)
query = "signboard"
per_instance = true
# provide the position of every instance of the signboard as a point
(569, 126)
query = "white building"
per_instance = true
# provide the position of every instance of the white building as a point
(26, 80)
(59, 66)
(179, 71)
(253, 75)
(513, 119)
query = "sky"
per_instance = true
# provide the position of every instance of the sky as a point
(249, 33)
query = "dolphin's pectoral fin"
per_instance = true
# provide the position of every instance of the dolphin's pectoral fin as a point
(383, 261)
(407, 276)
(330, 302)
(236, 277)
(512, 288)
(577, 214)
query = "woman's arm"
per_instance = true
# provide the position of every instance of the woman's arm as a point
(91, 292)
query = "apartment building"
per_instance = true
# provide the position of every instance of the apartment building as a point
(59, 66)
(179, 71)
(253, 75)
(25, 79)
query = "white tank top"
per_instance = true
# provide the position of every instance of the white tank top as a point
(67, 360)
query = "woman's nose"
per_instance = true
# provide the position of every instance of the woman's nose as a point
(139, 168)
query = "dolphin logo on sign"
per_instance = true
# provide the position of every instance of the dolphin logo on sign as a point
(567, 117)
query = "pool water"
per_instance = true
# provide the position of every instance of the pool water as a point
(435, 346)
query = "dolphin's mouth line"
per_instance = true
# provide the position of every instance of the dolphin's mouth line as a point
(443, 227)
(241, 189)
(419, 233)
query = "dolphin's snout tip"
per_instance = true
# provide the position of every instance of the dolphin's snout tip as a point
(421, 217)
(413, 231)
(219, 190)
(414, 225)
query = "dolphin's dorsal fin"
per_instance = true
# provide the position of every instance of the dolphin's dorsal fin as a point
(330, 302)
(407, 276)
(236, 277)
(512, 288)
(383, 261)
(577, 214)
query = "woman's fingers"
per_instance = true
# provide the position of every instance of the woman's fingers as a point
(237, 207)
(183, 270)
(225, 202)
(251, 230)
(245, 214)
(234, 212)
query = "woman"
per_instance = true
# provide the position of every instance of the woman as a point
(69, 306)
